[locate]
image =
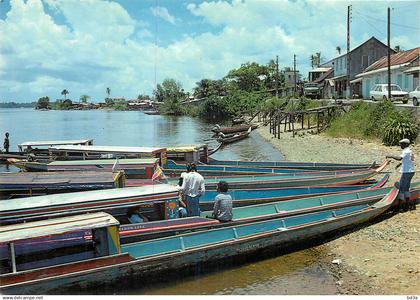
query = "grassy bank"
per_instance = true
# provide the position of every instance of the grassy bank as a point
(380, 122)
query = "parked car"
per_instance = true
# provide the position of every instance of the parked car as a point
(311, 90)
(415, 96)
(380, 92)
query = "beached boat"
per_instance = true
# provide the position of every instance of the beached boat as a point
(231, 138)
(133, 168)
(254, 213)
(25, 184)
(290, 180)
(290, 165)
(173, 168)
(257, 196)
(102, 261)
(233, 129)
(157, 202)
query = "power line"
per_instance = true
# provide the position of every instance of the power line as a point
(373, 26)
(395, 24)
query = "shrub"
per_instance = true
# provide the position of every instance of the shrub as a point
(399, 126)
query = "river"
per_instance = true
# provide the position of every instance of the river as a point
(301, 272)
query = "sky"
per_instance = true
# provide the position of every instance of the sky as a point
(85, 46)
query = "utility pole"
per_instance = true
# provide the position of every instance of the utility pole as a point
(348, 50)
(389, 53)
(294, 73)
(277, 76)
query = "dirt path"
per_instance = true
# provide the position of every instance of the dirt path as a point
(383, 258)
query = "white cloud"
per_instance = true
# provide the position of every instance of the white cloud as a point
(99, 44)
(163, 12)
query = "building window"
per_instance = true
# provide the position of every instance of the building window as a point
(364, 62)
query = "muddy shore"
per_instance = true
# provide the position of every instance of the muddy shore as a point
(379, 259)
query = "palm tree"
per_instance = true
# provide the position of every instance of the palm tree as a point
(108, 91)
(317, 59)
(65, 93)
(338, 48)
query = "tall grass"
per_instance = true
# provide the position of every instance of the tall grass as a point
(374, 122)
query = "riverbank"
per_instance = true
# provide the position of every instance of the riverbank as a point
(378, 259)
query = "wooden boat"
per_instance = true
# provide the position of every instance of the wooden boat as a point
(39, 149)
(189, 153)
(292, 179)
(102, 261)
(157, 202)
(25, 184)
(173, 168)
(234, 129)
(258, 196)
(255, 213)
(228, 139)
(291, 165)
(98, 152)
(151, 112)
(133, 168)
(214, 150)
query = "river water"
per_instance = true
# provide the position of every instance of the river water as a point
(297, 273)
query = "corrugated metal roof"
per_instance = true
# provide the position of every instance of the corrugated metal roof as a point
(396, 59)
(51, 143)
(325, 75)
(55, 226)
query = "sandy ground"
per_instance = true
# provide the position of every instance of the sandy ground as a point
(382, 258)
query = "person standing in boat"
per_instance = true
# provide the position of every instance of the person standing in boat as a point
(6, 143)
(182, 211)
(193, 188)
(222, 209)
(407, 172)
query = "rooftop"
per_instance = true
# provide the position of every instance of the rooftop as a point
(399, 58)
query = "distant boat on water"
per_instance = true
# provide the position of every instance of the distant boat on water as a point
(151, 112)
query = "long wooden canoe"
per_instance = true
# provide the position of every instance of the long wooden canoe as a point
(254, 213)
(233, 129)
(290, 165)
(133, 168)
(25, 184)
(160, 201)
(171, 253)
(258, 196)
(292, 180)
(235, 137)
(173, 168)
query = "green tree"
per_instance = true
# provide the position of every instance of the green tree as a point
(208, 87)
(249, 77)
(43, 103)
(170, 92)
(67, 104)
(143, 97)
(65, 93)
(84, 98)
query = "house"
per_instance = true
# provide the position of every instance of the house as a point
(404, 71)
(360, 58)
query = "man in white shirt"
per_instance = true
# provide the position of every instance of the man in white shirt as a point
(407, 172)
(192, 188)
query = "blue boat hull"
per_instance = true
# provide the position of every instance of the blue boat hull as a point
(154, 257)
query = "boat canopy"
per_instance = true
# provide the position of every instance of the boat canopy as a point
(55, 143)
(40, 178)
(134, 161)
(47, 201)
(22, 231)
(189, 148)
(108, 149)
